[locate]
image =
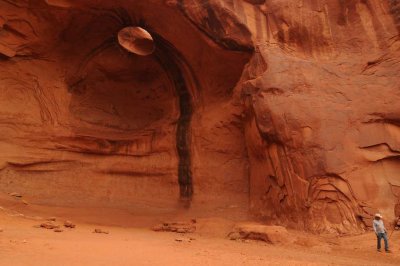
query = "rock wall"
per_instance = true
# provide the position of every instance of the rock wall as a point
(289, 107)
(323, 114)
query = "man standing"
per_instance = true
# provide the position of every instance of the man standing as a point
(380, 232)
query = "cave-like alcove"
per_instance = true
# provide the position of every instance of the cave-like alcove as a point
(131, 127)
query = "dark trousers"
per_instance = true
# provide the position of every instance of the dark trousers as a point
(385, 239)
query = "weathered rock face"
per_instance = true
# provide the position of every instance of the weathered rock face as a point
(85, 121)
(290, 105)
(323, 130)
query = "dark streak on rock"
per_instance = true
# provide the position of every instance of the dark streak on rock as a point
(379, 144)
(395, 11)
(172, 62)
(383, 119)
(216, 30)
(136, 174)
(38, 163)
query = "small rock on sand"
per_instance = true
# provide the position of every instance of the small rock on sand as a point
(15, 194)
(183, 239)
(52, 219)
(177, 227)
(69, 224)
(254, 231)
(1, 230)
(58, 230)
(49, 226)
(100, 231)
(234, 236)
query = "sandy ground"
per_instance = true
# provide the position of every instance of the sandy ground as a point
(131, 242)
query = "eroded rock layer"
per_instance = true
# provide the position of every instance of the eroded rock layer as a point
(289, 107)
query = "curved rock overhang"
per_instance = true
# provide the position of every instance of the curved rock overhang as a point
(195, 63)
(177, 59)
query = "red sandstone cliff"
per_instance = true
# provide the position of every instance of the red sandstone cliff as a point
(291, 107)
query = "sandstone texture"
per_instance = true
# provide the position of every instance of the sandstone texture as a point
(290, 108)
(177, 227)
(260, 232)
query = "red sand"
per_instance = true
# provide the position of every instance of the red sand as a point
(131, 242)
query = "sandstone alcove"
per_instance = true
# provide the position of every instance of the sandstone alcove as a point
(140, 112)
(250, 104)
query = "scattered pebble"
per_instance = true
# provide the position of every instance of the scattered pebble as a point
(69, 224)
(182, 239)
(100, 231)
(58, 230)
(49, 226)
(15, 194)
(234, 236)
(52, 219)
(177, 227)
